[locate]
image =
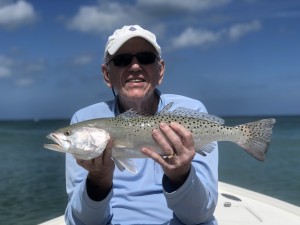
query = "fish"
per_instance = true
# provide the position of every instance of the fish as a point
(130, 131)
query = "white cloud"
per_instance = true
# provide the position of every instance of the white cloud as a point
(21, 72)
(35, 67)
(287, 14)
(99, 18)
(5, 63)
(83, 60)
(24, 82)
(195, 37)
(200, 37)
(4, 60)
(4, 71)
(238, 30)
(191, 5)
(106, 16)
(16, 14)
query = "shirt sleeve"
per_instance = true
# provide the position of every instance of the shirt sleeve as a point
(81, 209)
(195, 201)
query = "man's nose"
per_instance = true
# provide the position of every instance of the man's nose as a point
(135, 64)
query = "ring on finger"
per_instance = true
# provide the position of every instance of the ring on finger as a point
(169, 156)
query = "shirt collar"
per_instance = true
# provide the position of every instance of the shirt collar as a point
(161, 103)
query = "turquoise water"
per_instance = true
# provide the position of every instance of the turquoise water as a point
(279, 175)
(32, 184)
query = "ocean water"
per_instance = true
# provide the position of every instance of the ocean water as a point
(32, 187)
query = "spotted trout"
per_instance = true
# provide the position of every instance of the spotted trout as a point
(130, 131)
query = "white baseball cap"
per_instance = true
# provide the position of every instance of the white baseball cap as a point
(120, 36)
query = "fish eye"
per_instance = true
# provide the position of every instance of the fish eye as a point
(67, 133)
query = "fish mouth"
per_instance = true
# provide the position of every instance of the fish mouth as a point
(58, 146)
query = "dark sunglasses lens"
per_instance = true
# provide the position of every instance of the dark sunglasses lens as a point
(146, 57)
(125, 59)
(122, 60)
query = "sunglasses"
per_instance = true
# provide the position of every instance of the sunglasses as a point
(143, 58)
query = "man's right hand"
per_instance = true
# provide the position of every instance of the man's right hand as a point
(100, 176)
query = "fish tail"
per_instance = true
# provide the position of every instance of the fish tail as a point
(256, 137)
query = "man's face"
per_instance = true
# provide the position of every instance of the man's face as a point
(135, 81)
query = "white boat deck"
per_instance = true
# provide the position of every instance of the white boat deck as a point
(238, 206)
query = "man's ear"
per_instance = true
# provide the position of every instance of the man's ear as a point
(105, 73)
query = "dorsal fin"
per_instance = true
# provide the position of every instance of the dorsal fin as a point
(129, 114)
(166, 109)
(180, 111)
(190, 113)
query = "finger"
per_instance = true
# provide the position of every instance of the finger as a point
(163, 142)
(96, 162)
(106, 163)
(173, 138)
(185, 134)
(105, 157)
(86, 164)
(156, 157)
(107, 152)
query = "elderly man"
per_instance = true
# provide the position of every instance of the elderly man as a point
(179, 189)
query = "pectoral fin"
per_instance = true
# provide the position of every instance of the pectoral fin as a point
(124, 163)
(206, 148)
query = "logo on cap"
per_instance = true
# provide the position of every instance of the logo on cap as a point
(132, 28)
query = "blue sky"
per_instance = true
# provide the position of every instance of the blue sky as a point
(239, 57)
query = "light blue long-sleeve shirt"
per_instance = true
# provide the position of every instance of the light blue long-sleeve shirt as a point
(143, 198)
